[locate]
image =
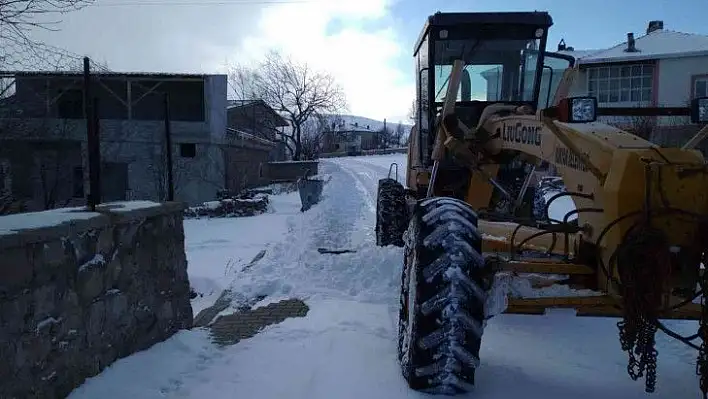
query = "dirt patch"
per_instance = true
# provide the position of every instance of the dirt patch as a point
(228, 330)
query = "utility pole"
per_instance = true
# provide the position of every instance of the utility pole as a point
(385, 134)
(168, 151)
(93, 146)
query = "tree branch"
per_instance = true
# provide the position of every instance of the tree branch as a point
(294, 90)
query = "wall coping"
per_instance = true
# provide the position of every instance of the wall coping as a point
(33, 227)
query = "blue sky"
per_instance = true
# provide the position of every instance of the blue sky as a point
(365, 44)
(583, 24)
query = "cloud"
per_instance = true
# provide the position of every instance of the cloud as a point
(361, 53)
(352, 39)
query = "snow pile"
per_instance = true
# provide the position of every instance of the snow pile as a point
(294, 268)
(218, 249)
(346, 347)
(11, 224)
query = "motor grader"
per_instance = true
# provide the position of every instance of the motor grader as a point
(494, 108)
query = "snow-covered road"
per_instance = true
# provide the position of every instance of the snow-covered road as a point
(346, 347)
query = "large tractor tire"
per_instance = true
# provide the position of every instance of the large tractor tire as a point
(443, 291)
(391, 215)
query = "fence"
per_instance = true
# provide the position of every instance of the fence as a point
(386, 151)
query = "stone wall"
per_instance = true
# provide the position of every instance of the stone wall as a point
(90, 289)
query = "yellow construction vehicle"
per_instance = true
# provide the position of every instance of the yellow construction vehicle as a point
(493, 107)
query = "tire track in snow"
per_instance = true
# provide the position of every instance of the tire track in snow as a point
(339, 213)
(343, 218)
(368, 194)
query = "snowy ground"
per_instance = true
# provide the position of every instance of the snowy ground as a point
(345, 347)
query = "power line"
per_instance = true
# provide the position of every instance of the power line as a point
(165, 3)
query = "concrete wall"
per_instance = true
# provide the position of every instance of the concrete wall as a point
(139, 145)
(216, 87)
(77, 296)
(675, 79)
(243, 168)
(195, 179)
(273, 172)
(40, 174)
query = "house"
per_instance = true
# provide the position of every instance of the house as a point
(660, 68)
(256, 118)
(351, 137)
(43, 136)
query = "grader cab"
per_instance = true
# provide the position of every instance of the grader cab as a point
(493, 114)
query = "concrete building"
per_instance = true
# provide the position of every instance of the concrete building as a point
(43, 161)
(256, 118)
(349, 137)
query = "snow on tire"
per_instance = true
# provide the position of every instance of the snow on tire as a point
(391, 218)
(443, 292)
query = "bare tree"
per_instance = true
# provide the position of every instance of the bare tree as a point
(319, 134)
(292, 89)
(18, 17)
(642, 126)
(398, 134)
(383, 138)
(412, 111)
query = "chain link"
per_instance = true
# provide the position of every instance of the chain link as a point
(702, 361)
(643, 266)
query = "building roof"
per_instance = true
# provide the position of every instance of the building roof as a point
(151, 75)
(234, 104)
(247, 136)
(659, 44)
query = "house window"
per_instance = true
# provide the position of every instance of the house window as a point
(188, 150)
(621, 83)
(700, 87)
(78, 182)
(70, 104)
(4, 176)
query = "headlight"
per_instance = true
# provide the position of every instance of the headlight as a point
(583, 109)
(699, 110)
(577, 110)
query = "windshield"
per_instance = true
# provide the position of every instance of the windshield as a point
(495, 70)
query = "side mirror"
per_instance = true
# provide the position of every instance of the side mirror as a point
(577, 110)
(699, 110)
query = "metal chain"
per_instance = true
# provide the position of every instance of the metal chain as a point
(642, 265)
(702, 361)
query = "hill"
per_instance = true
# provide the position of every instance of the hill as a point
(364, 123)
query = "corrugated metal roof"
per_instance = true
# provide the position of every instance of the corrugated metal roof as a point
(655, 45)
(241, 103)
(248, 136)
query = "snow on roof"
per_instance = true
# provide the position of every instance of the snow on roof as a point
(363, 124)
(248, 136)
(655, 45)
(658, 44)
(580, 53)
(127, 206)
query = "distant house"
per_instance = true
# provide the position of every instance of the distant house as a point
(342, 136)
(43, 137)
(660, 68)
(257, 118)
